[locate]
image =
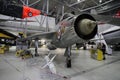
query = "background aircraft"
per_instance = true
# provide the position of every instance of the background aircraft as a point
(7, 38)
(112, 35)
(19, 11)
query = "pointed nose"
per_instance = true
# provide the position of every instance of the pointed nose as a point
(86, 26)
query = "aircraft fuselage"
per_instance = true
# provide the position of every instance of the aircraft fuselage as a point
(75, 30)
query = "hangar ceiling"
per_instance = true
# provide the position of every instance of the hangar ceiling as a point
(56, 8)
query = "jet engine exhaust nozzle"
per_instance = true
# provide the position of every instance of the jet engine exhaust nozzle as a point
(85, 26)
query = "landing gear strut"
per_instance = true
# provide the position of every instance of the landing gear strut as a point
(68, 57)
(68, 62)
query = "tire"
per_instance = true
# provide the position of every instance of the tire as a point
(68, 62)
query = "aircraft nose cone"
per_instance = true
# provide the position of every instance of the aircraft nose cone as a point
(87, 26)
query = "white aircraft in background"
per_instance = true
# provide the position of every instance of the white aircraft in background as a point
(109, 37)
(112, 35)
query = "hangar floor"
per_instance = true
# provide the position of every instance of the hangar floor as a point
(83, 67)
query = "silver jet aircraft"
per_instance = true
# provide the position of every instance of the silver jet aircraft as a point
(72, 29)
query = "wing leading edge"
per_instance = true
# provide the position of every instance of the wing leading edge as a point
(43, 35)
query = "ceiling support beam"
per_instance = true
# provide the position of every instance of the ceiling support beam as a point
(63, 8)
(44, 5)
(95, 2)
(25, 31)
(34, 3)
(47, 24)
(76, 3)
(23, 2)
(96, 6)
(65, 4)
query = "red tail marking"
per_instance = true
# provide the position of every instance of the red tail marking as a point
(30, 12)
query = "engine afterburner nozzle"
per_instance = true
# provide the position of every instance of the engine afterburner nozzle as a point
(86, 26)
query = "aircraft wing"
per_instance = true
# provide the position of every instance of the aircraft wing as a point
(7, 37)
(113, 40)
(4, 20)
(43, 35)
(107, 19)
(109, 40)
(6, 34)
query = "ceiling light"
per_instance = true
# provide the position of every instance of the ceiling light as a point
(100, 1)
(78, 0)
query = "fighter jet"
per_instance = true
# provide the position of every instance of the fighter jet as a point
(70, 30)
(73, 29)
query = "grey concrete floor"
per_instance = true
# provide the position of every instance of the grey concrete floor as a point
(83, 67)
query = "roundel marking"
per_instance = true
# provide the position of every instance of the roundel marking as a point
(30, 14)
